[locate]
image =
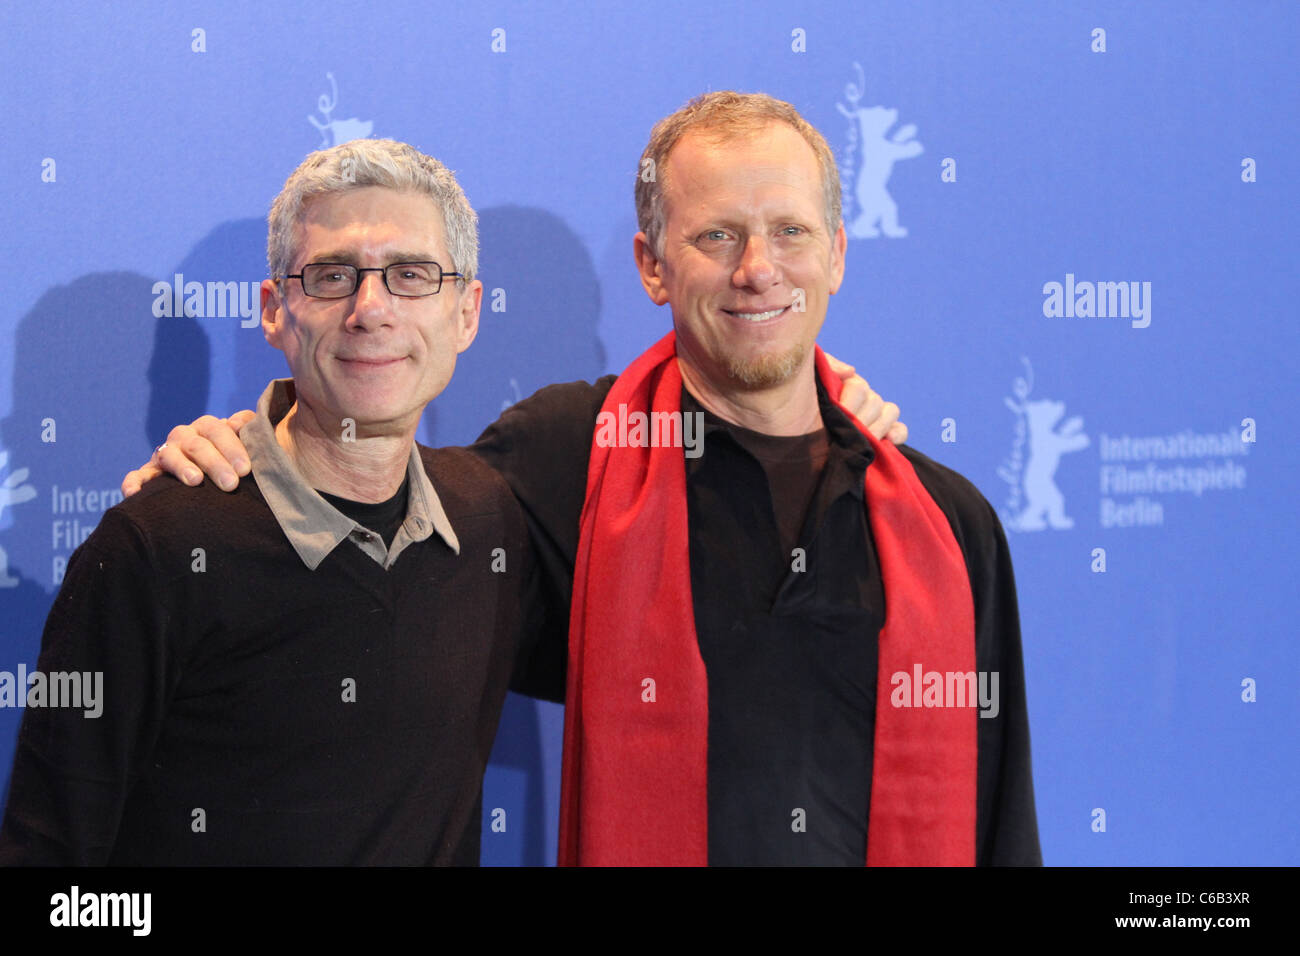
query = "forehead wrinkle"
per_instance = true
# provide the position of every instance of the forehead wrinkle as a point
(348, 257)
(716, 182)
(323, 214)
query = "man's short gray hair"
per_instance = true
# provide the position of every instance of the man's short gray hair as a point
(373, 162)
(725, 114)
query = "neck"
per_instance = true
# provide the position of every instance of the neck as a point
(790, 408)
(369, 469)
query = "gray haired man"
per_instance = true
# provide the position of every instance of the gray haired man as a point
(310, 670)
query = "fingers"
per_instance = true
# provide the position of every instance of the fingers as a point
(209, 446)
(134, 480)
(889, 413)
(187, 450)
(860, 401)
(175, 455)
(843, 369)
(222, 434)
(881, 412)
(876, 415)
(240, 419)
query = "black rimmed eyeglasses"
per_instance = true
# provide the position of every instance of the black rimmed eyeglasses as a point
(338, 280)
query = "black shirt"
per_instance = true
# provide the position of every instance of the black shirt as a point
(788, 643)
(791, 656)
(381, 517)
(792, 463)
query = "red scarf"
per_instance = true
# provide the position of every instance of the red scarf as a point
(636, 723)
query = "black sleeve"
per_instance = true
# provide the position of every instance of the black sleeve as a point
(1006, 832)
(73, 771)
(541, 447)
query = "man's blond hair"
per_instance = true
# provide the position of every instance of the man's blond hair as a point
(726, 115)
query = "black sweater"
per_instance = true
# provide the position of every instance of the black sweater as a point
(257, 712)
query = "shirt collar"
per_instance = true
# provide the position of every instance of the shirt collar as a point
(315, 527)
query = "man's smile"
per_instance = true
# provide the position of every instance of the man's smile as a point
(370, 359)
(753, 316)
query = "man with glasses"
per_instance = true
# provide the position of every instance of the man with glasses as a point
(310, 670)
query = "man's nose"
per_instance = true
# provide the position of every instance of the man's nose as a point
(374, 303)
(756, 270)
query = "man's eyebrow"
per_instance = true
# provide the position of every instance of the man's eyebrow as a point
(350, 258)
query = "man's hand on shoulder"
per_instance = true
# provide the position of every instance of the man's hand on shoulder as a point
(877, 415)
(209, 446)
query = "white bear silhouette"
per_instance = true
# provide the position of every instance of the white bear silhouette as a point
(875, 205)
(12, 492)
(1044, 502)
(340, 131)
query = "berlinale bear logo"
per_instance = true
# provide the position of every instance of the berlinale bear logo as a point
(333, 132)
(13, 491)
(1035, 501)
(864, 186)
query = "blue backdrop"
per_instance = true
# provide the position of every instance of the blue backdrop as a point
(1125, 153)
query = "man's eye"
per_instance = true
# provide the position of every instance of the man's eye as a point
(792, 231)
(715, 235)
(332, 275)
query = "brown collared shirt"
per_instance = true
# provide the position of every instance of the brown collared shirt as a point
(315, 527)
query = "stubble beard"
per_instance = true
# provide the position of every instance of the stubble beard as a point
(767, 371)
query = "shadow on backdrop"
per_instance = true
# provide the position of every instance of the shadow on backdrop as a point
(235, 250)
(97, 372)
(541, 306)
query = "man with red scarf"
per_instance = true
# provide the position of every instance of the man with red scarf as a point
(786, 642)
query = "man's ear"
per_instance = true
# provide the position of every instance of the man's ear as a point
(467, 314)
(272, 303)
(650, 267)
(839, 244)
